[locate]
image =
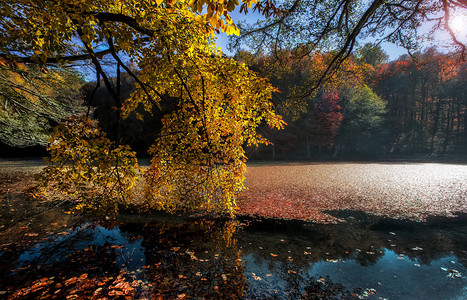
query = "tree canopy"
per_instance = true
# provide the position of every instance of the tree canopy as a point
(339, 26)
(209, 106)
(217, 104)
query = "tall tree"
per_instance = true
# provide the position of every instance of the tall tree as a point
(198, 161)
(361, 132)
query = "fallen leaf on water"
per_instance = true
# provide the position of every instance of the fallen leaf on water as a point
(369, 292)
(454, 274)
(70, 281)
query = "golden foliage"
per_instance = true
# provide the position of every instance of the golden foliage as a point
(86, 165)
(199, 161)
(209, 106)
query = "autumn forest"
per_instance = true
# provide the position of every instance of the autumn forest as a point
(139, 161)
(410, 107)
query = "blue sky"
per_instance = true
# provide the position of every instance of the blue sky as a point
(441, 40)
(222, 39)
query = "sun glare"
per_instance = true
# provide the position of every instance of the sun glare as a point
(459, 24)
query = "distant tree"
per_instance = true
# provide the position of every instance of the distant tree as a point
(321, 124)
(372, 54)
(361, 131)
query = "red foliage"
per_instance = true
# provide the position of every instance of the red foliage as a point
(327, 118)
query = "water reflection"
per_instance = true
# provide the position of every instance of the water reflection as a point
(175, 258)
(399, 260)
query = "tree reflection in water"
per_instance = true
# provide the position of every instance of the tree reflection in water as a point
(171, 258)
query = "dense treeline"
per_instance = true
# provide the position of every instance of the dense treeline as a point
(426, 100)
(413, 106)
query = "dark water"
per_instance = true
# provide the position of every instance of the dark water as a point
(175, 258)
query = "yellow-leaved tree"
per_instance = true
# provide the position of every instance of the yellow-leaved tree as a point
(209, 105)
(199, 160)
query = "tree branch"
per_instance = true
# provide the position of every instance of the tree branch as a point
(447, 17)
(137, 80)
(54, 60)
(348, 46)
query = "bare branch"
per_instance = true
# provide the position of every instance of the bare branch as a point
(447, 18)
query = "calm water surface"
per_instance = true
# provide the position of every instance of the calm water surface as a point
(258, 259)
(169, 257)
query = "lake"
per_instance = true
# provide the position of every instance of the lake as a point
(359, 255)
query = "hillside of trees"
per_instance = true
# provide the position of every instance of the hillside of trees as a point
(32, 102)
(374, 108)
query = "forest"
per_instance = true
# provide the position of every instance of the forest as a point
(139, 161)
(412, 107)
(101, 83)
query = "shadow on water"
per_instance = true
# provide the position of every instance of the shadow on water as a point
(175, 258)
